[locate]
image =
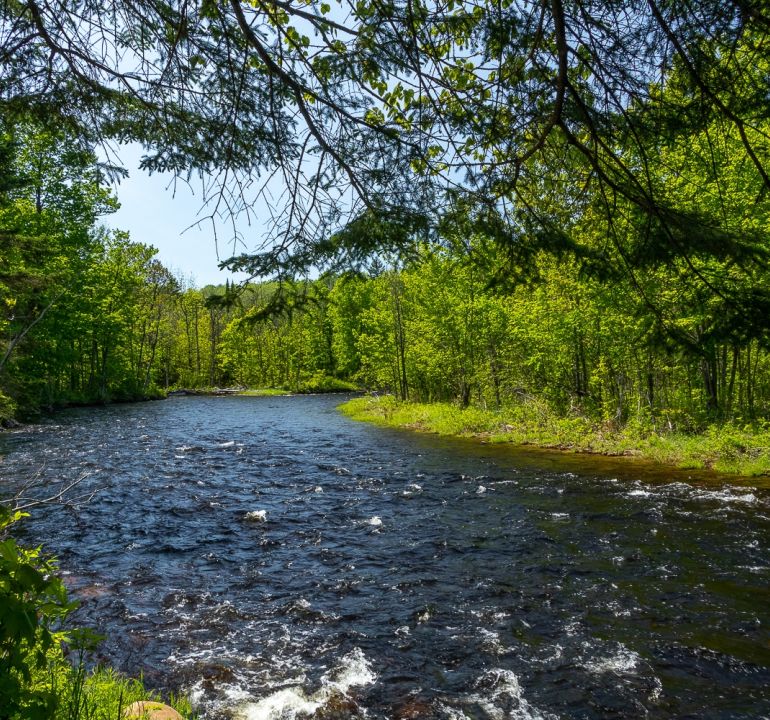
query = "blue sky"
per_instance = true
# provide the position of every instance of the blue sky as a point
(158, 212)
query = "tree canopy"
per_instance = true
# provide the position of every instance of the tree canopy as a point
(512, 114)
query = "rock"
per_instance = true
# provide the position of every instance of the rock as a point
(151, 710)
(414, 710)
(337, 707)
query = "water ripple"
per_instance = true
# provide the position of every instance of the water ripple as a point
(275, 561)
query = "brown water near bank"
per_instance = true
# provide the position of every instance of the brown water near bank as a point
(583, 462)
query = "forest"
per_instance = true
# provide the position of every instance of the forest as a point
(561, 203)
(90, 316)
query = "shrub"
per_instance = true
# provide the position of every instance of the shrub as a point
(7, 409)
(37, 682)
(33, 606)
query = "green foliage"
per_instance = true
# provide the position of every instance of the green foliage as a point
(33, 606)
(7, 409)
(408, 109)
(318, 382)
(82, 311)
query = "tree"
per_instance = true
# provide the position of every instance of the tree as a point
(47, 234)
(387, 107)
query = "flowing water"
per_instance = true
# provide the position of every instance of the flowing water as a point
(275, 560)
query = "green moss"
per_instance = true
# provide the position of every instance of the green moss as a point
(725, 448)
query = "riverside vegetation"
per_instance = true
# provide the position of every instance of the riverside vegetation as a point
(562, 356)
(725, 448)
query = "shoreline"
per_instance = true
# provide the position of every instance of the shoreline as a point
(12, 423)
(732, 453)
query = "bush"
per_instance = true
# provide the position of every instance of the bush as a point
(7, 409)
(33, 606)
(322, 383)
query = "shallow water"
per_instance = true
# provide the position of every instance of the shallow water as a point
(277, 560)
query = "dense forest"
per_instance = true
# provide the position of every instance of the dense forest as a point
(91, 316)
(565, 202)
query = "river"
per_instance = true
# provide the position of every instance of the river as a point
(274, 559)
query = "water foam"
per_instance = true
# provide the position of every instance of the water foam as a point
(287, 703)
(290, 703)
(490, 642)
(727, 495)
(622, 662)
(639, 493)
(500, 698)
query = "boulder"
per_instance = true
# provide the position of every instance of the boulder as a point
(151, 710)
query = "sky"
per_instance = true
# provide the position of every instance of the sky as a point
(158, 212)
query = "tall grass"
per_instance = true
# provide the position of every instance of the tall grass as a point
(101, 693)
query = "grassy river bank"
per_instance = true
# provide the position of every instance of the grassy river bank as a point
(724, 448)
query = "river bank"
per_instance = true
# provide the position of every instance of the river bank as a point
(13, 417)
(722, 448)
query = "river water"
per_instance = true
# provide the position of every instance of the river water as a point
(274, 559)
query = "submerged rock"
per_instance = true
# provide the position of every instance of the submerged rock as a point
(338, 707)
(414, 709)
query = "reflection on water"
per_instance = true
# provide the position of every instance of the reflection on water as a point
(275, 560)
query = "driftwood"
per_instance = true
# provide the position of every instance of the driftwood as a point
(211, 391)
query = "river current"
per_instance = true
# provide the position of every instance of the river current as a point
(275, 560)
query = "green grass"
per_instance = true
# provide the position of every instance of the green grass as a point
(264, 392)
(725, 448)
(98, 694)
(106, 694)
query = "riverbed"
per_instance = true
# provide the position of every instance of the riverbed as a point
(274, 559)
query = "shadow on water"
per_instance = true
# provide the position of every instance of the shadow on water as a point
(276, 560)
